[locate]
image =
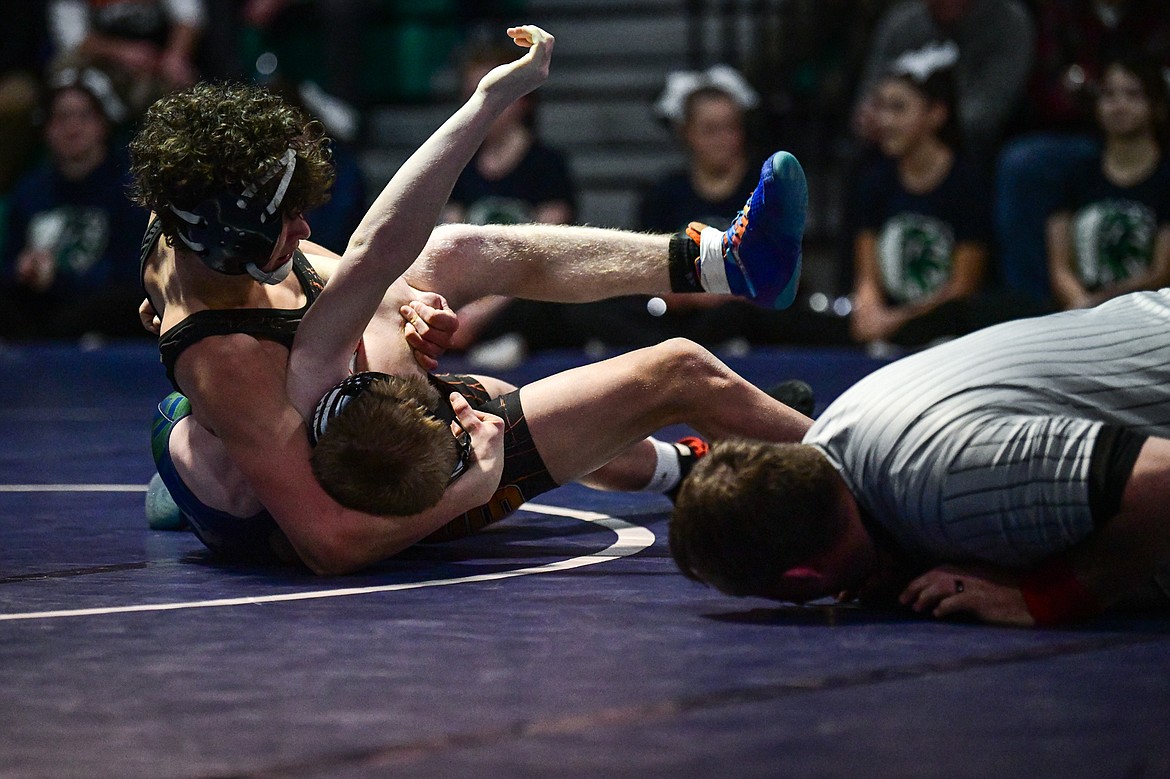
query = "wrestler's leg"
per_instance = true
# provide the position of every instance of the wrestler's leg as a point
(758, 256)
(495, 387)
(632, 467)
(202, 462)
(583, 418)
(541, 262)
(629, 471)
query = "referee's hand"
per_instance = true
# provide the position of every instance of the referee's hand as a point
(988, 593)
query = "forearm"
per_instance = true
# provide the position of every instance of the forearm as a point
(1155, 277)
(967, 268)
(949, 292)
(1125, 286)
(390, 235)
(871, 319)
(398, 223)
(336, 540)
(1067, 288)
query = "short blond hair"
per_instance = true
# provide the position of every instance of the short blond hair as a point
(750, 510)
(386, 452)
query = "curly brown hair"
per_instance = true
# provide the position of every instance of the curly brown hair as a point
(196, 143)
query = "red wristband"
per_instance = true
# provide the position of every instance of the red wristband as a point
(1054, 595)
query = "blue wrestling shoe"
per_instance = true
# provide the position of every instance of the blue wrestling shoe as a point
(761, 249)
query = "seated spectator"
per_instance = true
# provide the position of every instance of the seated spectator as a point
(514, 178)
(921, 248)
(1111, 233)
(21, 62)
(148, 44)
(70, 255)
(1075, 38)
(995, 40)
(708, 110)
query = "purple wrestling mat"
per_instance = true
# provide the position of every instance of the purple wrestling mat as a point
(561, 642)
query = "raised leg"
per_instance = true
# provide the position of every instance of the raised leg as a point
(757, 257)
(567, 264)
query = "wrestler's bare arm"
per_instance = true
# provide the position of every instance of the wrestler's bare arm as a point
(397, 226)
(560, 263)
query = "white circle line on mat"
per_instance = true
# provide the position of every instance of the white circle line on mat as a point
(73, 487)
(631, 539)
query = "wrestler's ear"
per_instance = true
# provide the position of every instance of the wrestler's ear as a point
(802, 575)
(800, 583)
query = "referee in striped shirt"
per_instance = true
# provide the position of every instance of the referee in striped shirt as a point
(1020, 474)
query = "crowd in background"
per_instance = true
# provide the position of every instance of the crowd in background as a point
(996, 158)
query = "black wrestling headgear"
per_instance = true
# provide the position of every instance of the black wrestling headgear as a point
(338, 397)
(235, 234)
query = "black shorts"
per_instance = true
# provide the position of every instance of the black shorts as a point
(525, 475)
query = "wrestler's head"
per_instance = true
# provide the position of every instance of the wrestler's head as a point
(224, 166)
(385, 445)
(769, 520)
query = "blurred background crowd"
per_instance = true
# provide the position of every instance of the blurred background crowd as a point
(969, 161)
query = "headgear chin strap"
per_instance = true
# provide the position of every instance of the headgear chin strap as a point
(235, 234)
(274, 276)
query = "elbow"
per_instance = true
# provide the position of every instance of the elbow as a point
(451, 242)
(328, 567)
(338, 554)
(323, 563)
(330, 558)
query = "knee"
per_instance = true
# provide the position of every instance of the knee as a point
(686, 364)
(451, 241)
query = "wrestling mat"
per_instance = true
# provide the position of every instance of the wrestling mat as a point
(561, 642)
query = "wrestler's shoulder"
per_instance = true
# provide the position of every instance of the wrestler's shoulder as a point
(240, 358)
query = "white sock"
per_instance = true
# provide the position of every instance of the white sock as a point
(712, 272)
(667, 473)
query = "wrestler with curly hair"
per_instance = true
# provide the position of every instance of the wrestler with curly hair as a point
(253, 336)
